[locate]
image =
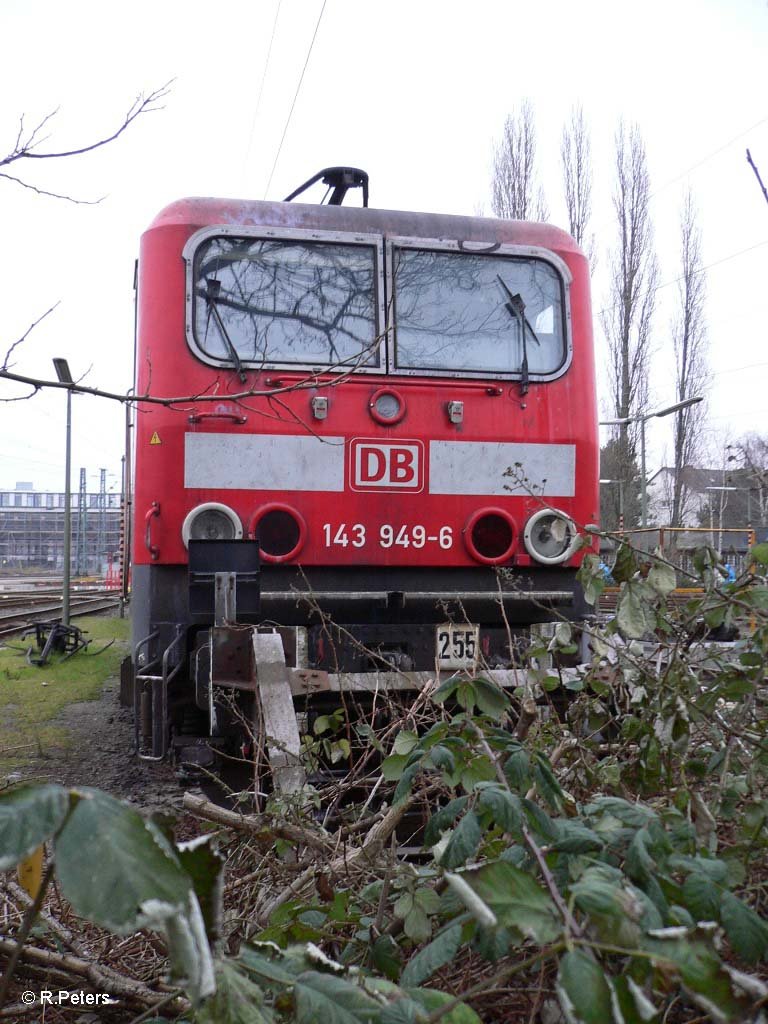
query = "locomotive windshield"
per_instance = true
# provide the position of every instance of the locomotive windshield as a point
(287, 301)
(475, 313)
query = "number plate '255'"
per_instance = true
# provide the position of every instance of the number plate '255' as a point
(457, 646)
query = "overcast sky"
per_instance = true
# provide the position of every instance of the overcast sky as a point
(414, 92)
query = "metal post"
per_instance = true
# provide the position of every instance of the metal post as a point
(81, 567)
(621, 505)
(67, 516)
(127, 510)
(643, 494)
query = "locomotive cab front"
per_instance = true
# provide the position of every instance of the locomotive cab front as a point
(378, 436)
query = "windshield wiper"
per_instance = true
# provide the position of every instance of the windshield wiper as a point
(516, 308)
(212, 292)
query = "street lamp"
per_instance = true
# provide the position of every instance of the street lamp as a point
(624, 421)
(62, 372)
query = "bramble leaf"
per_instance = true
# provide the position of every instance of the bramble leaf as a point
(29, 815)
(463, 843)
(440, 951)
(516, 900)
(583, 991)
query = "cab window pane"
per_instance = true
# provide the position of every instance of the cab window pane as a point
(477, 313)
(286, 302)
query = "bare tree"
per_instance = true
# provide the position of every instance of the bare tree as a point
(747, 461)
(627, 320)
(689, 335)
(28, 142)
(576, 157)
(515, 191)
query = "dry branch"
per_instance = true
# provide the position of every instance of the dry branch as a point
(103, 979)
(26, 146)
(363, 855)
(261, 828)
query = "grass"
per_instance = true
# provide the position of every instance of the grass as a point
(28, 709)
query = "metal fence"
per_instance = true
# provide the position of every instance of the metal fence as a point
(678, 545)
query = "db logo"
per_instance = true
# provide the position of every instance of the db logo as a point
(376, 465)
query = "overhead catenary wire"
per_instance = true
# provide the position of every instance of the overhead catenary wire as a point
(603, 221)
(295, 97)
(701, 270)
(261, 92)
(708, 157)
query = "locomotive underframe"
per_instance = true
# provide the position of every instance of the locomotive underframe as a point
(337, 629)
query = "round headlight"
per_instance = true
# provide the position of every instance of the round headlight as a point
(550, 537)
(387, 406)
(211, 521)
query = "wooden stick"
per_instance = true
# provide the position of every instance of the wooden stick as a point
(103, 978)
(255, 824)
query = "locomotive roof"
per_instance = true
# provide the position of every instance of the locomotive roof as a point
(201, 212)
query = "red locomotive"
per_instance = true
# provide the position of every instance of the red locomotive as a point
(388, 432)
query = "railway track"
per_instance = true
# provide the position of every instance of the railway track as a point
(22, 615)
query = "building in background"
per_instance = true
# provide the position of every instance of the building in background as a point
(32, 529)
(715, 498)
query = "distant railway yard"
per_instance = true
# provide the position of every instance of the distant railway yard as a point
(25, 600)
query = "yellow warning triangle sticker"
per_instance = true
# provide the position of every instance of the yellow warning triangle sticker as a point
(155, 439)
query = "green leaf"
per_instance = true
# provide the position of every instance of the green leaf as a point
(759, 553)
(329, 999)
(634, 616)
(271, 970)
(516, 900)
(441, 757)
(583, 990)
(115, 870)
(576, 838)
(403, 905)
(625, 566)
(503, 806)
(463, 843)
(403, 788)
(662, 578)
(546, 783)
(707, 980)
(205, 867)
(639, 863)
(29, 815)
(616, 909)
(428, 900)
(539, 821)
(491, 699)
(443, 819)
(479, 769)
(517, 770)
(433, 1000)
(385, 954)
(591, 577)
(466, 696)
(626, 812)
(631, 1004)
(402, 1011)
(405, 741)
(445, 690)
(237, 1000)
(440, 951)
(747, 932)
(417, 925)
(701, 896)
(392, 767)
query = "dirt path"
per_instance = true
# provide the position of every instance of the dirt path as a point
(100, 754)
